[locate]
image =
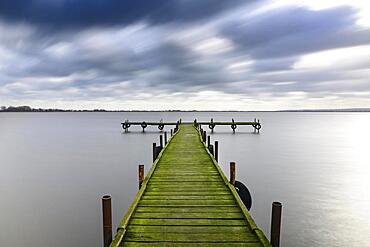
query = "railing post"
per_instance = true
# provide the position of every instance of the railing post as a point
(107, 220)
(141, 175)
(165, 138)
(275, 224)
(161, 141)
(210, 148)
(154, 151)
(232, 173)
(158, 150)
(208, 140)
(216, 151)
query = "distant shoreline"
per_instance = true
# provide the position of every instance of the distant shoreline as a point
(29, 109)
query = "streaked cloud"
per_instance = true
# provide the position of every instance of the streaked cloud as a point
(241, 55)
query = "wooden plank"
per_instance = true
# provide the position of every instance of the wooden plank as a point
(188, 197)
(184, 244)
(183, 190)
(180, 209)
(187, 215)
(186, 179)
(188, 222)
(183, 193)
(190, 237)
(188, 229)
(187, 202)
(183, 173)
(183, 206)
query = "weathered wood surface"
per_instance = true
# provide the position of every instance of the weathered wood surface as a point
(186, 200)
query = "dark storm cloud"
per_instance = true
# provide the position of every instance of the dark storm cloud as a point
(84, 13)
(293, 31)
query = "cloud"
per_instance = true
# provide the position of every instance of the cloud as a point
(293, 31)
(72, 14)
(181, 49)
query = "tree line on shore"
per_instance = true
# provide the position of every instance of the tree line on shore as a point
(29, 109)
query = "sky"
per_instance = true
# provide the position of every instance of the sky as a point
(185, 54)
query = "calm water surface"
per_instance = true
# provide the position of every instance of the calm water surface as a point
(54, 168)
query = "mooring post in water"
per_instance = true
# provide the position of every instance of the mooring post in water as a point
(141, 175)
(204, 136)
(165, 138)
(107, 220)
(161, 141)
(216, 151)
(275, 224)
(232, 173)
(171, 132)
(154, 151)
(209, 141)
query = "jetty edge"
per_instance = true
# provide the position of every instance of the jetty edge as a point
(186, 200)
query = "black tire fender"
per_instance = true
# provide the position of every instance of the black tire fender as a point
(244, 194)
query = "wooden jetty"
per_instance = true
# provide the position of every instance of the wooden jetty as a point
(186, 200)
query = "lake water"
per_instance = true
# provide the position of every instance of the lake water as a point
(55, 167)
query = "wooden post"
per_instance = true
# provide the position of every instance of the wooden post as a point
(216, 151)
(232, 173)
(107, 220)
(161, 141)
(204, 136)
(255, 121)
(141, 175)
(154, 151)
(171, 132)
(165, 138)
(210, 148)
(209, 141)
(158, 150)
(275, 224)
